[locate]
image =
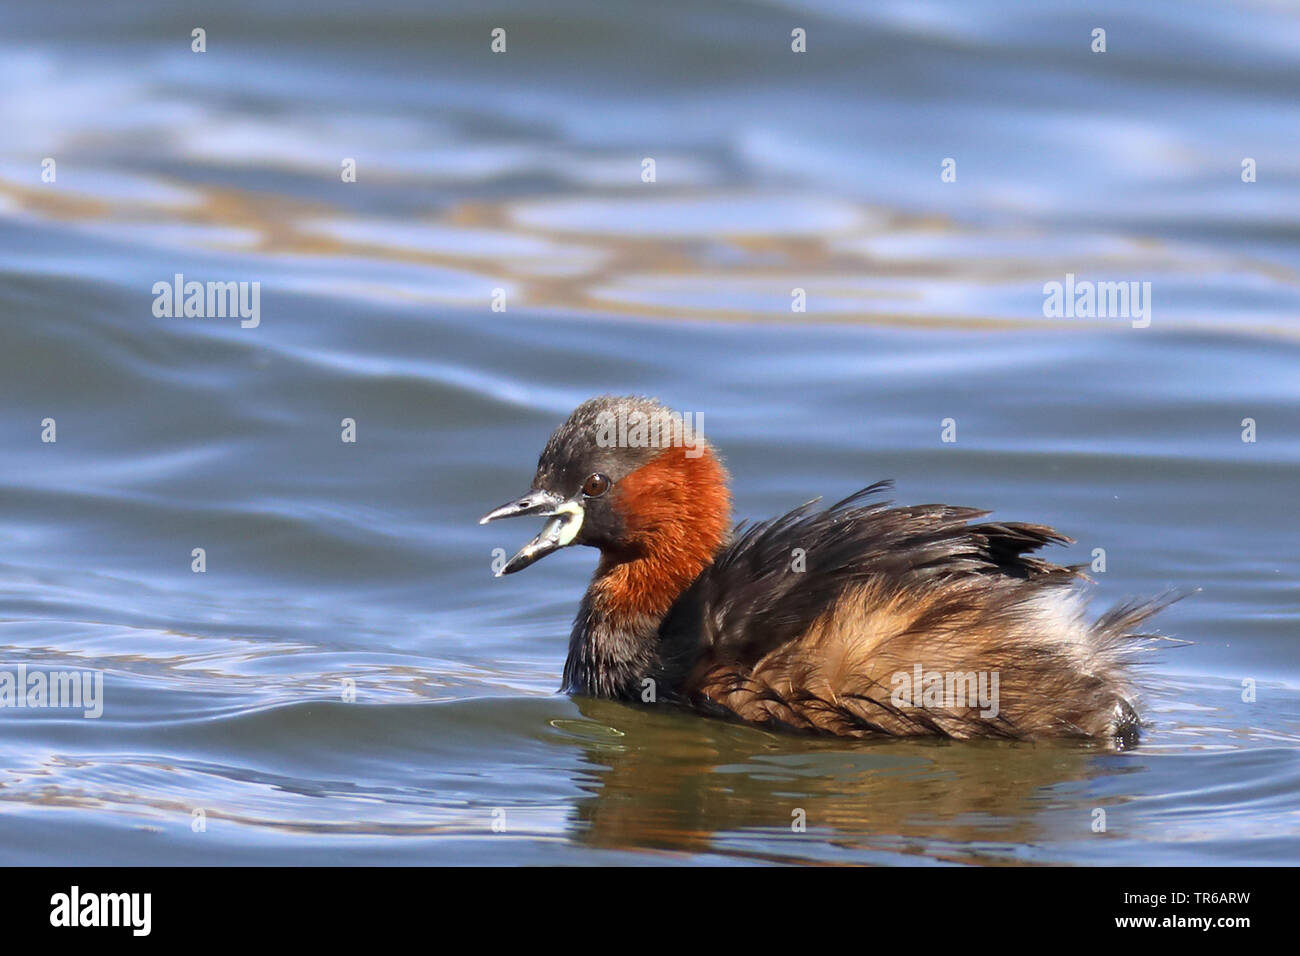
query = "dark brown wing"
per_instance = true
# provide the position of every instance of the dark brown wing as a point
(775, 578)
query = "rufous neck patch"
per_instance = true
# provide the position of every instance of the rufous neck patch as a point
(676, 511)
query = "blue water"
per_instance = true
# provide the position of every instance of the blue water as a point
(333, 564)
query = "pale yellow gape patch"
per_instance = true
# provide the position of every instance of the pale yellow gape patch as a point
(564, 524)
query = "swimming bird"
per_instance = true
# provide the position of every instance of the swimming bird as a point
(858, 620)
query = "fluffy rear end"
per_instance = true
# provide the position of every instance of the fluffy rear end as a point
(975, 657)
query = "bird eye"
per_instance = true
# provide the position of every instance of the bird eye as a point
(595, 486)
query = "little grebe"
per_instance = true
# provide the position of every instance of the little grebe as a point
(859, 620)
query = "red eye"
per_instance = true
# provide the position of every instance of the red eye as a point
(595, 486)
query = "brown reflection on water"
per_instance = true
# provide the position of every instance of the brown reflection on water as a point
(695, 258)
(677, 782)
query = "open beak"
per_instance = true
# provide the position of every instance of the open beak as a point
(564, 522)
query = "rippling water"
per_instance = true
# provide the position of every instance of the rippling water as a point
(329, 561)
